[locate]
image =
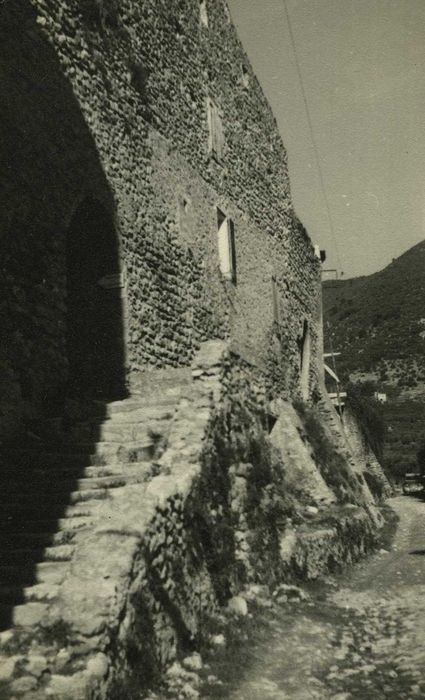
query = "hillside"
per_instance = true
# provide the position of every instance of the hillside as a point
(378, 323)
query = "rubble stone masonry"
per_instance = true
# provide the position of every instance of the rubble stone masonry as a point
(108, 102)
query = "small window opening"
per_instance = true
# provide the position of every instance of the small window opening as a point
(304, 344)
(226, 246)
(203, 13)
(276, 301)
(215, 127)
(245, 76)
(184, 206)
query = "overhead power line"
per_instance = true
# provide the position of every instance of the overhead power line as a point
(312, 134)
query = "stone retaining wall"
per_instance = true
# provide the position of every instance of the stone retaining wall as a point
(374, 472)
(165, 557)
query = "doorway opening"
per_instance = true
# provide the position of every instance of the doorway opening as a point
(95, 328)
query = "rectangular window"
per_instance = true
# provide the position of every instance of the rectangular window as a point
(245, 76)
(203, 12)
(215, 127)
(276, 301)
(226, 246)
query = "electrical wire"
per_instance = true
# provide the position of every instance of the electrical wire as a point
(312, 135)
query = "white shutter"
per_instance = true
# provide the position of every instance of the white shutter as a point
(225, 250)
(215, 129)
(203, 12)
(218, 133)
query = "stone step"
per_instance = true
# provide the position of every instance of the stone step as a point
(6, 617)
(144, 404)
(71, 524)
(50, 484)
(15, 594)
(20, 475)
(141, 450)
(44, 500)
(132, 405)
(24, 615)
(52, 572)
(111, 431)
(159, 382)
(12, 595)
(147, 414)
(80, 454)
(36, 540)
(21, 458)
(26, 555)
(34, 511)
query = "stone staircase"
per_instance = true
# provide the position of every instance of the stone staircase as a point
(52, 484)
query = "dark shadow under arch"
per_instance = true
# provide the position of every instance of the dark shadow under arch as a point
(50, 301)
(95, 334)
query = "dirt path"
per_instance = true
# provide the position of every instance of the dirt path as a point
(362, 637)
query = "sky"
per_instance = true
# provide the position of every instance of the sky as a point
(362, 64)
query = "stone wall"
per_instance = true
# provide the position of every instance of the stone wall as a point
(109, 100)
(163, 557)
(373, 471)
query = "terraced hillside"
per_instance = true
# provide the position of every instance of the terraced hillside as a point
(377, 323)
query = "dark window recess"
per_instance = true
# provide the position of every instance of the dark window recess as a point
(101, 14)
(276, 301)
(183, 213)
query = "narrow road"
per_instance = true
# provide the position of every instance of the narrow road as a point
(361, 637)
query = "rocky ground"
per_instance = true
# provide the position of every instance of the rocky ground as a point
(358, 636)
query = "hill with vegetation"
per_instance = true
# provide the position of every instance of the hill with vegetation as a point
(377, 323)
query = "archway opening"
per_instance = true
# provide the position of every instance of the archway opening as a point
(95, 328)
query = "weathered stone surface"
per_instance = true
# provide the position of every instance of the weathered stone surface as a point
(7, 667)
(98, 666)
(36, 665)
(302, 473)
(29, 615)
(193, 662)
(68, 687)
(238, 605)
(23, 684)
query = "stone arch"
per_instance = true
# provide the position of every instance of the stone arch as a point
(94, 301)
(305, 359)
